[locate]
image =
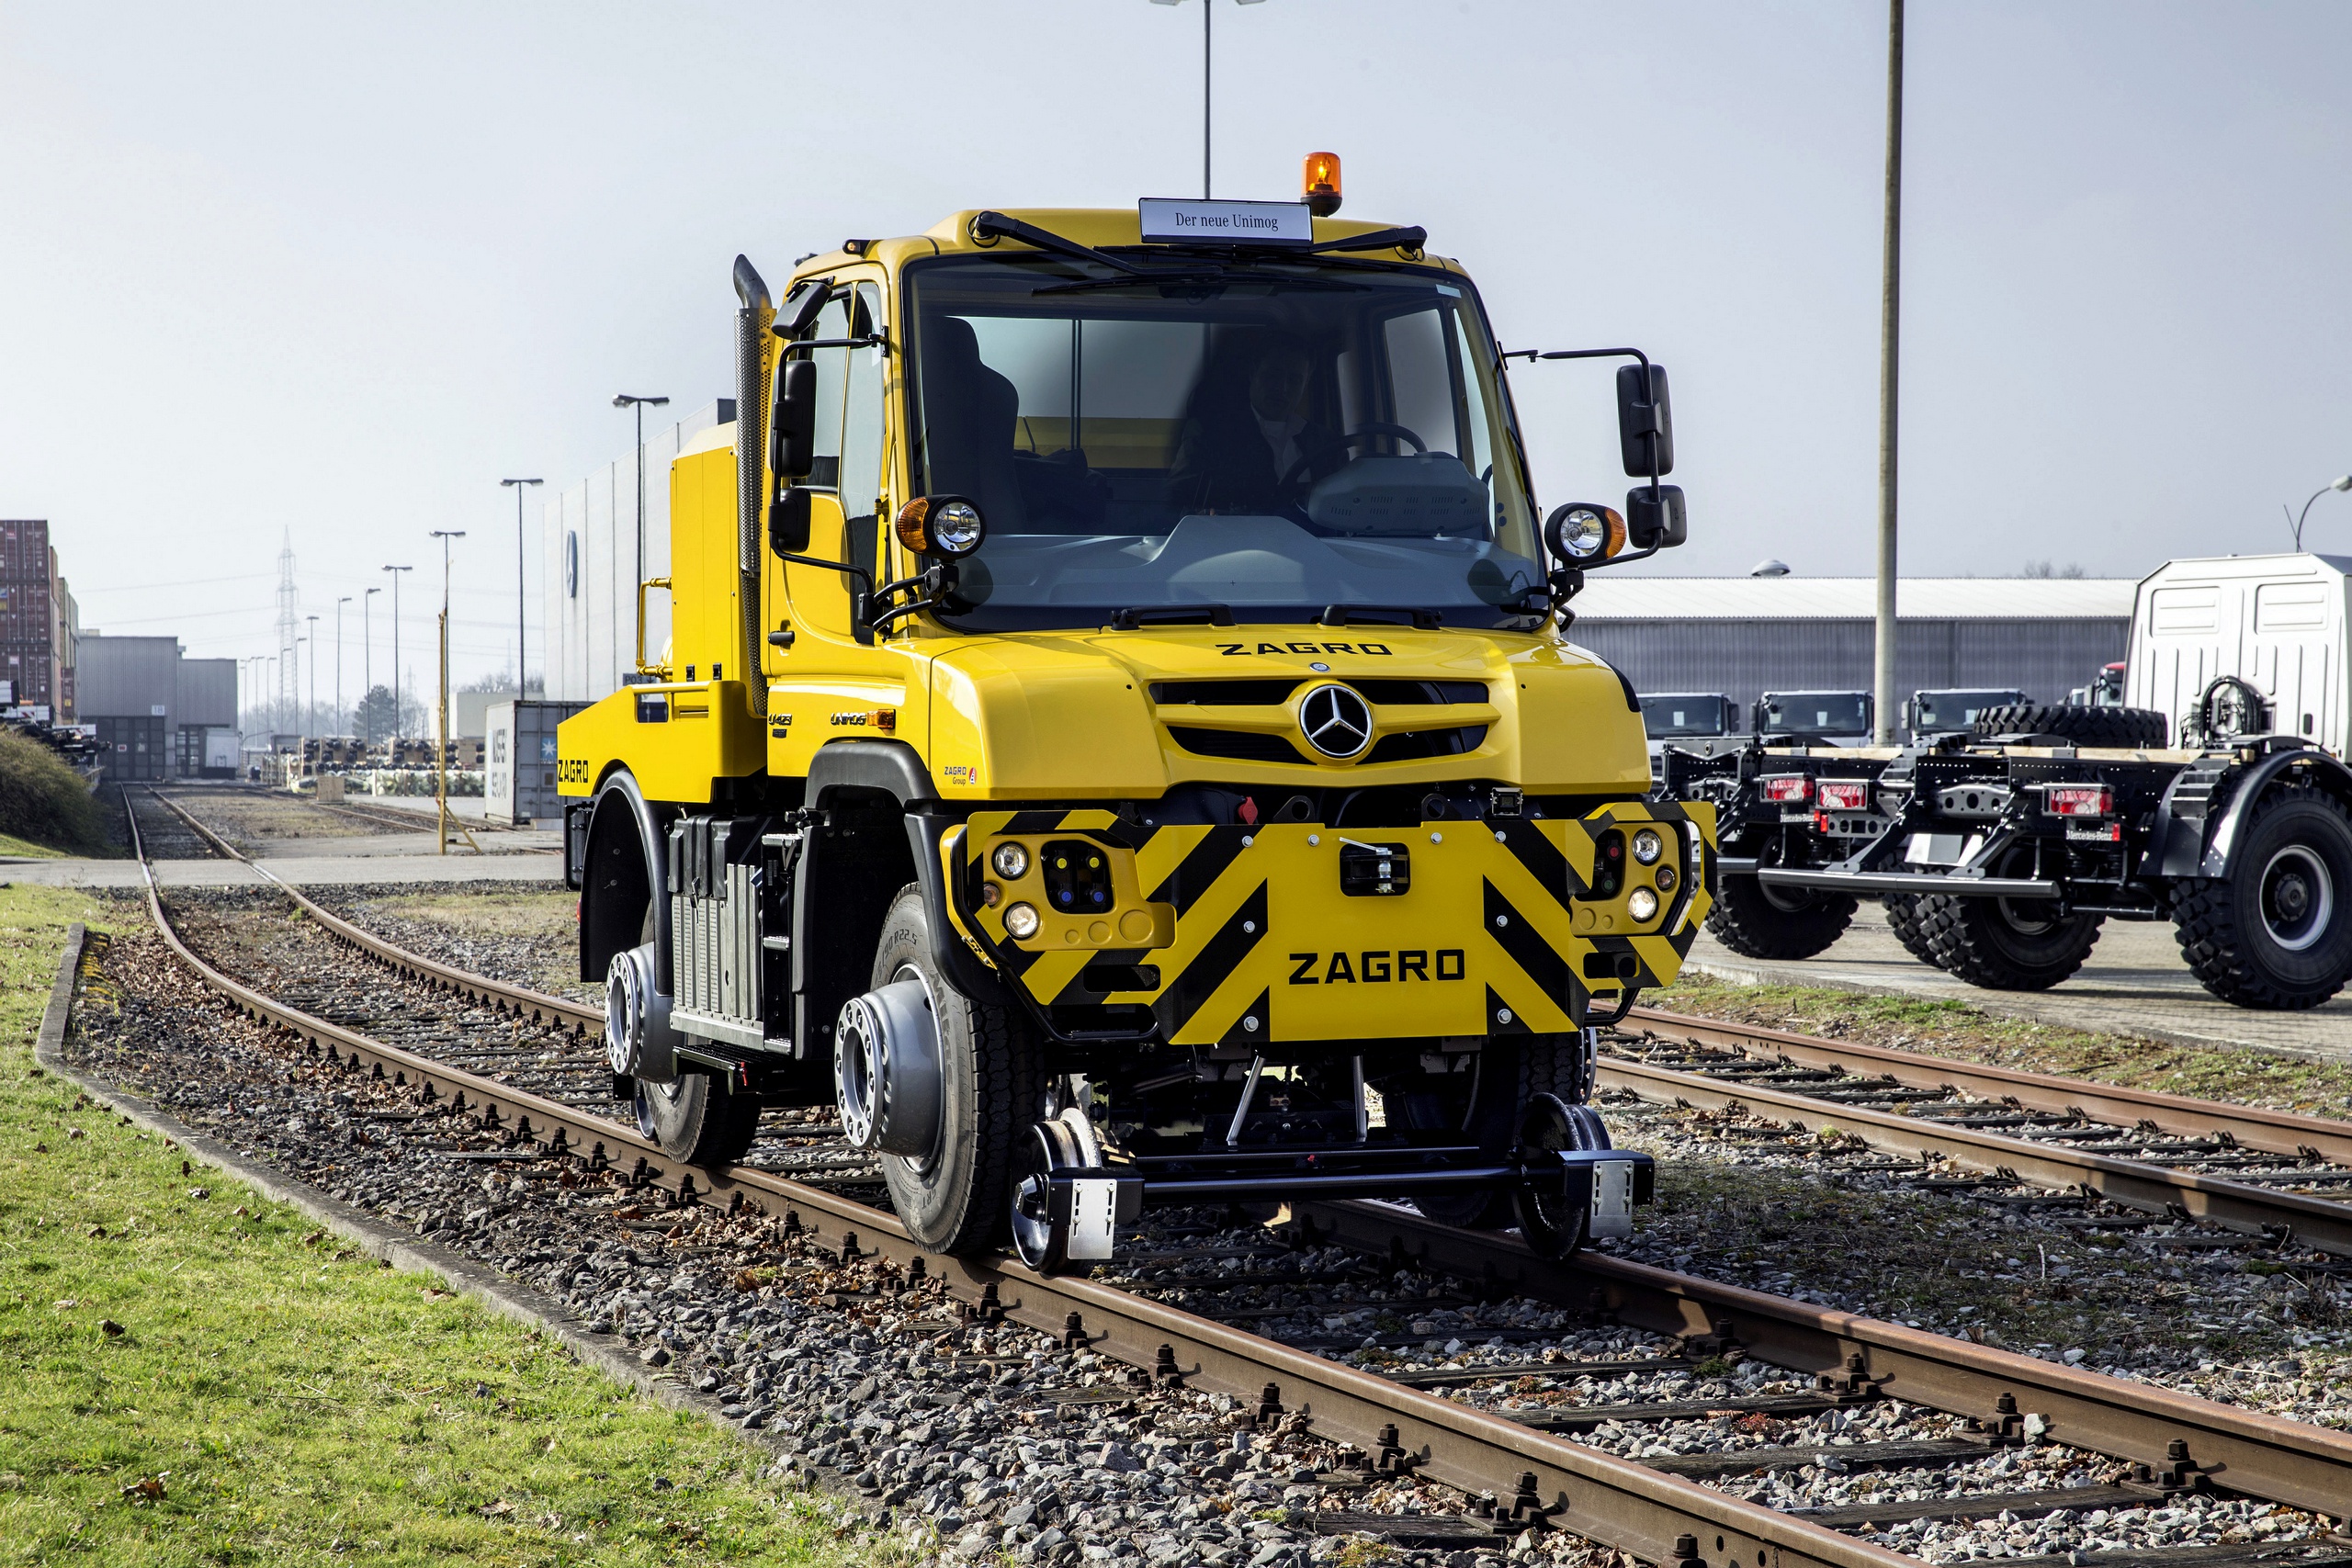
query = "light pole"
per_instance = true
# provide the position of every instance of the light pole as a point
(368, 656)
(1206, 7)
(518, 485)
(1889, 329)
(636, 587)
(310, 718)
(441, 745)
(2343, 484)
(338, 659)
(395, 571)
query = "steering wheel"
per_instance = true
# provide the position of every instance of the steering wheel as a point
(1362, 433)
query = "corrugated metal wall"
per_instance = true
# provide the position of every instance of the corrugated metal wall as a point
(208, 692)
(2044, 657)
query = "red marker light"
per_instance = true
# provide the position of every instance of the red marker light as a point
(1844, 794)
(1787, 788)
(2080, 800)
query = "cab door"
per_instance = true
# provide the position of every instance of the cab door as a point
(831, 682)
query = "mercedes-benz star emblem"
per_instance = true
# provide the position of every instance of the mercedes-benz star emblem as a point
(1334, 720)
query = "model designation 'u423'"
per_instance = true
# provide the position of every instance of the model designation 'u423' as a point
(1110, 862)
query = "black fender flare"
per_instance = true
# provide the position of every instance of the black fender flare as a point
(896, 768)
(2184, 842)
(620, 806)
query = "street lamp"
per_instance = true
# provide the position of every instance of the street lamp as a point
(395, 571)
(517, 485)
(338, 658)
(2345, 482)
(310, 718)
(624, 400)
(368, 656)
(1207, 6)
(441, 744)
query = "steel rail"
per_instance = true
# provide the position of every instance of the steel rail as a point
(538, 1006)
(1580, 1489)
(2274, 1132)
(2235, 1205)
(2265, 1456)
(1607, 1500)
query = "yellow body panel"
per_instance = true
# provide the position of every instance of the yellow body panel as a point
(1002, 719)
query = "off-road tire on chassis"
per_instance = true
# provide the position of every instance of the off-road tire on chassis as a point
(2124, 729)
(1757, 921)
(2003, 945)
(1903, 918)
(2235, 932)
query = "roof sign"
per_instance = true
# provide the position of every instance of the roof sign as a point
(1167, 219)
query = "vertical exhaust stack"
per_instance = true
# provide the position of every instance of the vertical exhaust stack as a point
(751, 323)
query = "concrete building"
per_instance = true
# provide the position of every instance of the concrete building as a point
(590, 538)
(1747, 635)
(159, 714)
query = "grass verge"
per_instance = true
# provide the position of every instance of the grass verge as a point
(1971, 1034)
(200, 1377)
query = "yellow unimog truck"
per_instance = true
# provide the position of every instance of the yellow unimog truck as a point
(1119, 740)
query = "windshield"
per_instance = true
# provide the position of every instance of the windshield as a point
(1682, 714)
(1958, 710)
(1817, 712)
(1272, 438)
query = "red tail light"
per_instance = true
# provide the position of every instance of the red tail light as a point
(1844, 794)
(2080, 800)
(1787, 788)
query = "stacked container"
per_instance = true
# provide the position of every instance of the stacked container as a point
(27, 614)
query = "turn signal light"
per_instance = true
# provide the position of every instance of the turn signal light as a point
(1320, 184)
(1787, 788)
(2081, 800)
(1844, 794)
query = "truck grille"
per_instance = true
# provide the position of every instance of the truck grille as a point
(1235, 745)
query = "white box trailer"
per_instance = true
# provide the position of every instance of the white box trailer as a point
(518, 761)
(2281, 624)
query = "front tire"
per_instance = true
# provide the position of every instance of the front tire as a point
(957, 1199)
(2277, 936)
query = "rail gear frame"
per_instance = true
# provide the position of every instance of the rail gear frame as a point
(1118, 743)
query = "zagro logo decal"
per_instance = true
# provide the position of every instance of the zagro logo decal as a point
(573, 770)
(1377, 968)
(1234, 650)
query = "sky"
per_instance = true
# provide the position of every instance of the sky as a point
(322, 275)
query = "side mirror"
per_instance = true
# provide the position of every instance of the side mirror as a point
(792, 449)
(1645, 421)
(788, 522)
(1656, 521)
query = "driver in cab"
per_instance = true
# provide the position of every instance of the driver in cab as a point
(1247, 444)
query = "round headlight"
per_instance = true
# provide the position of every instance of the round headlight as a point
(1666, 878)
(1021, 920)
(1643, 905)
(1011, 861)
(1647, 847)
(955, 528)
(1581, 534)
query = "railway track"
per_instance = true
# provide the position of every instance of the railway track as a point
(1518, 1454)
(2260, 1172)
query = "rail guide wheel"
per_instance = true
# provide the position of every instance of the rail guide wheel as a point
(1066, 1205)
(1558, 1217)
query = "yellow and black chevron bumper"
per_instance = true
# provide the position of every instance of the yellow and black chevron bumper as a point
(1286, 932)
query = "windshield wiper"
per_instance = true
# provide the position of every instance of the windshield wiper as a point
(1408, 239)
(1134, 619)
(1195, 276)
(1339, 615)
(996, 225)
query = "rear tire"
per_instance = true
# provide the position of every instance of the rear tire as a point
(1902, 919)
(696, 1120)
(2279, 935)
(1758, 922)
(2121, 728)
(2005, 944)
(958, 1200)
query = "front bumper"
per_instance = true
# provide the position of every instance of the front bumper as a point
(1245, 937)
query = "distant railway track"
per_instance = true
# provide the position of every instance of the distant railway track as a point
(2258, 1171)
(1659, 1511)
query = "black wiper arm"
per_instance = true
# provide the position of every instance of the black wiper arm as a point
(1134, 619)
(997, 226)
(1340, 614)
(1197, 276)
(1406, 238)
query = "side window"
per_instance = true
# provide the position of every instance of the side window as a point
(861, 404)
(832, 373)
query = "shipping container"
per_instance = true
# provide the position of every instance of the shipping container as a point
(519, 760)
(24, 551)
